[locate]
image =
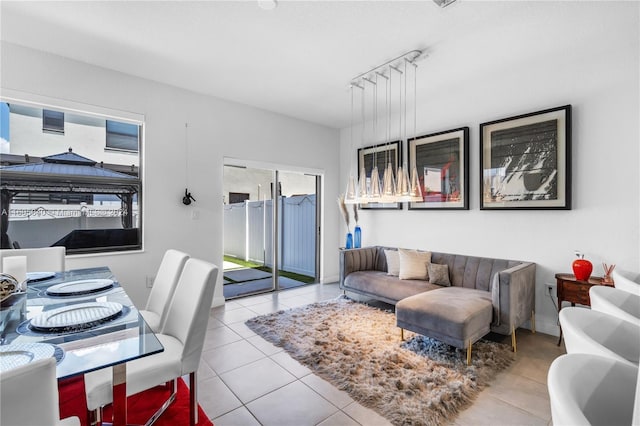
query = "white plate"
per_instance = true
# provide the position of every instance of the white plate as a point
(80, 315)
(39, 276)
(75, 288)
(17, 354)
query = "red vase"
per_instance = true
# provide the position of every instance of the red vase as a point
(582, 269)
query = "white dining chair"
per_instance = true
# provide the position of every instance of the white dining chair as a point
(46, 259)
(164, 284)
(182, 337)
(615, 302)
(621, 282)
(587, 389)
(592, 332)
(29, 396)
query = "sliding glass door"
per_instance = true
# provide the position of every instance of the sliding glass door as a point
(270, 230)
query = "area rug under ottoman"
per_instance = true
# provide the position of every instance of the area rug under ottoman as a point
(357, 348)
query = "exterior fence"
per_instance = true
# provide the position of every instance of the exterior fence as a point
(248, 233)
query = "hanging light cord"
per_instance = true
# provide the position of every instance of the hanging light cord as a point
(415, 101)
(186, 150)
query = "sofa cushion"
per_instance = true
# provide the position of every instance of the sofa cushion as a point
(385, 287)
(413, 264)
(439, 274)
(393, 262)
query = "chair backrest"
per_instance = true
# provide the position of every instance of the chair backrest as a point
(165, 283)
(46, 259)
(623, 283)
(188, 314)
(29, 394)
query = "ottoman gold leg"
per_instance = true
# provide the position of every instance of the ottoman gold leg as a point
(513, 339)
(402, 334)
(533, 322)
(469, 353)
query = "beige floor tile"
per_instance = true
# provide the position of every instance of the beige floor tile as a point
(264, 346)
(364, 415)
(229, 305)
(522, 392)
(267, 307)
(339, 419)
(242, 329)
(252, 300)
(256, 379)
(532, 368)
(292, 405)
(297, 301)
(337, 397)
(237, 315)
(231, 356)
(216, 398)
(488, 410)
(204, 372)
(238, 417)
(219, 336)
(291, 365)
(214, 323)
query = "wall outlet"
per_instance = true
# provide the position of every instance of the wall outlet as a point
(150, 280)
(551, 288)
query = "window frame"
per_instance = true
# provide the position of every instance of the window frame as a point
(119, 149)
(10, 96)
(48, 121)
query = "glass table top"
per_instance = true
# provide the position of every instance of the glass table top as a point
(85, 314)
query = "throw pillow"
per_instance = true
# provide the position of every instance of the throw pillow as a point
(413, 264)
(439, 274)
(393, 262)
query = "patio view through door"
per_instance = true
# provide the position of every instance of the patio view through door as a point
(270, 230)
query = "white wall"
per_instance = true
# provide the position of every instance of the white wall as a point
(603, 88)
(216, 129)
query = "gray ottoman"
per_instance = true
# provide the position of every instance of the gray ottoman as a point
(454, 315)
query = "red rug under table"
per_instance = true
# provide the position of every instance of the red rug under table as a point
(140, 407)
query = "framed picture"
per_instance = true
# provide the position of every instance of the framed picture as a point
(380, 155)
(442, 163)
(525, 161)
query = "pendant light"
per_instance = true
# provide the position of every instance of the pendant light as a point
(415, 192)
(375, 193)
(352, 195)
(388, 181)
(363, 191)
(390, 190)
(402, 189)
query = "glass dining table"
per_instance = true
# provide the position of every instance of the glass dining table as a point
(84, 319)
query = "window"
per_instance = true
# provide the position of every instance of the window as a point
(238, 197)
(68, 190)
(52, 121)
(122, 136)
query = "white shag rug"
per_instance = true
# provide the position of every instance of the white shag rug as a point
(357, 348)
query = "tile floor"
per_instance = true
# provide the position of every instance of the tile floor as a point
(244, 380)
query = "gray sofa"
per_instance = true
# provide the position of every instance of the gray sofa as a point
(508, 284)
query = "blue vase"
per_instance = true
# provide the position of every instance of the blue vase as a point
(349, 240)
(357, 237)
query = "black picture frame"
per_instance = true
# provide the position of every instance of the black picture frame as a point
(382, 154)
(525, 161)
(442, 163)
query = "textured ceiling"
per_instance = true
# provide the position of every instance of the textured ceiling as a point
(298, 59)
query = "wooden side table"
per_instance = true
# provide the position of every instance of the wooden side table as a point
(569, 289)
